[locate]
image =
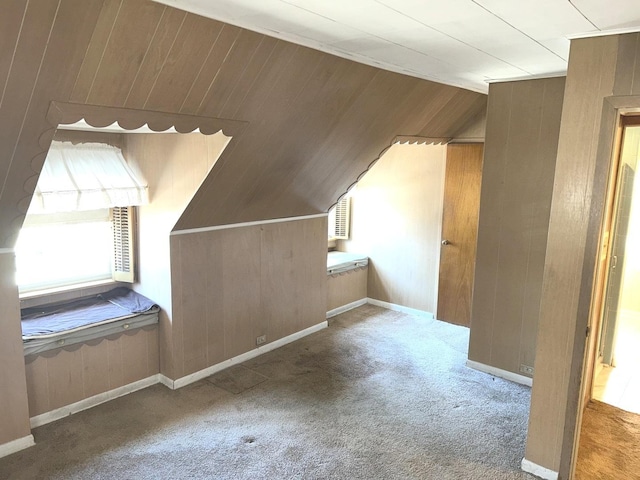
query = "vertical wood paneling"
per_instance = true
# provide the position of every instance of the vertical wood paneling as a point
(126, 46)
(521, 146)
(155, 57)
(589, 79)
(345, 288)
(194, 41)
(260, 280)
(61, 377)
(14, 415)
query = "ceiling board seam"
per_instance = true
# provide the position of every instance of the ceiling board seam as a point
(213, 80)
(204, 62)
(583, 15)
(431, 27)
(153, 37)
(520, 31)
(164, 62)
(13, 56)
(104, 50)
(26, 111)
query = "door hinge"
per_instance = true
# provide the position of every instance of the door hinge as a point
(588, 330)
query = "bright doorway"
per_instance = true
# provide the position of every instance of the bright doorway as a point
(616, 376)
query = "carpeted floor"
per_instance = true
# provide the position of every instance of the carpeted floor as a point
(377, 395)
(609, 444)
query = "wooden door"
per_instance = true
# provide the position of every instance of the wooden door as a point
(463, 177)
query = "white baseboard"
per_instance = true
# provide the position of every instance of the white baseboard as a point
(498, 372)
(538, 471)
(16, 445)
(346, 308)
(194, 377)
(86, 403)
(400, 308)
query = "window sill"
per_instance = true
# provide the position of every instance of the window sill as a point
(68, 292)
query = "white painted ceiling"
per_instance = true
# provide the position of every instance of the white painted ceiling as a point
(465, 43)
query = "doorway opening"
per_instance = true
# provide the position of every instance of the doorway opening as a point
(616, 377)
(610, 419)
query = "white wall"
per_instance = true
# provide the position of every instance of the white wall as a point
(396, 221)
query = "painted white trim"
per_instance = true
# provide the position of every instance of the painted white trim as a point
(166, 381)
(86, 403)
(400, 308)
(194, 377)
(346, 308)
(7, 251)
(537, 470)
(603, 33)
(498, 372)
(247, 224)
(16, 445)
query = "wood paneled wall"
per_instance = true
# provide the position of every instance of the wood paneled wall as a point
(174, 165)
(521, 144)
(14, 413)
(232, 285)
(598, 68)
(315, 121)
(63, 376)
(396, 221)
(346, 287)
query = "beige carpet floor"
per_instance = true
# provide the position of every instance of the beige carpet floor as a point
(377, 395)
(609, 444)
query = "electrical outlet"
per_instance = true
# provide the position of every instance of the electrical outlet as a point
(261, 339)
(526, 369)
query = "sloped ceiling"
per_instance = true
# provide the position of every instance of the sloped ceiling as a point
(313, 121)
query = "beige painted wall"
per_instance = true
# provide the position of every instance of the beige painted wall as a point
(235, 284)
(396, 221)
(346, 287)
(14, 414)
(519, 161)
(598, 68)
(174, 165)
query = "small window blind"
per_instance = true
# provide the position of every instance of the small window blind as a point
(339, 219)
(122, 219)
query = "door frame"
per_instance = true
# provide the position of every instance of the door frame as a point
(616, 110)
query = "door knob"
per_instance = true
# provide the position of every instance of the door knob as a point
(446, 242)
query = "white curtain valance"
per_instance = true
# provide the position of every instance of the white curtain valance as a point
(87, 176)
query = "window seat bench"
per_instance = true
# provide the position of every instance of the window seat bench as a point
(57, 325)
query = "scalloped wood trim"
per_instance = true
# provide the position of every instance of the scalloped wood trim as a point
(61, 113)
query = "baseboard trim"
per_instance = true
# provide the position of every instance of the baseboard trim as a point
(346, 308)
(400, 308)
(87, 403)
(498, 372)
(16, 445)
(199, 375)
(537, 470)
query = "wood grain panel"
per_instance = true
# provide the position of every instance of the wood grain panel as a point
(347, 287)
(463, 176)
(63, 376)
(521, 146)
(589, 79)
(125, 50)
(194, 41)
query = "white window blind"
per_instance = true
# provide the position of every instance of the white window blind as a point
(123, 253)
(86, 176)
(339, 219)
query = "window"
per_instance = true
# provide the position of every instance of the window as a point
(339, 219)
(75, 231)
